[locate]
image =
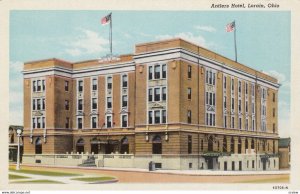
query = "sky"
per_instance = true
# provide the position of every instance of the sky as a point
(263, 41)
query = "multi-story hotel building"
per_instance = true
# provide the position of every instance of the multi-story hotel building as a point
(171, 102)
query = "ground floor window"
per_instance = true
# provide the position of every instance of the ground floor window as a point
(124, 146)
(38, 146)
(80, 146)
(156, 145)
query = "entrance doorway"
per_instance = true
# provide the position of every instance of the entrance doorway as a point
(94, 148)
(240, 165)
(225, 166)
(264, 163)
(210, 163)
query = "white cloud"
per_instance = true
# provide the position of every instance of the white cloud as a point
(88, 42)
(206, 28)
(186, 36)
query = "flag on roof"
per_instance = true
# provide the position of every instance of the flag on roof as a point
(105, 20)
(230, 27)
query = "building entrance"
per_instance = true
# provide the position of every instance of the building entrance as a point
(210, 163)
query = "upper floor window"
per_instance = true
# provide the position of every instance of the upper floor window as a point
(164, 116)
(150, 117)
(157, 71)
(232, 84)
(94, 122)
(150, 73)
(94, 84)
(66, 86)
(164, 93)
(43, 122)
(240, 86)
(80, 86)
(109, 82)
(124, 81)
(33, 104)
(124, 101)
(274, 97)
(94, 103)
(210, 98)
(189, 116)
(109, 102)
(38, 102)
(66, 104)
(34, 85)
(124, 120)
(246, 89)
(210, 77)
(232, 104)
(224, 82)
(156, 94)
(43, 85)
(263, 93)
(189, 93)
(39, 85)
(252, 90)
(164, 70)
(189, 71)
(67, 124)
(80, 107)
(157, 116)
(150, 95)
(109, 121)
(79, 123)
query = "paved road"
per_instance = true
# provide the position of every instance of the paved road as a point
(150, 177)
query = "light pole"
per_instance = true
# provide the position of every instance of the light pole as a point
(19, 132)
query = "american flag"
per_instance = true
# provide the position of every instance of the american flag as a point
(105, 20)
(230, 27)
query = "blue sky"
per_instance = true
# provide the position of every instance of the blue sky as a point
(263, 41)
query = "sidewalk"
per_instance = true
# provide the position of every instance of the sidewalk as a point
(178, 172)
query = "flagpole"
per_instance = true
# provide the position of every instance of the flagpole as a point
(110, 36)
(235, 41)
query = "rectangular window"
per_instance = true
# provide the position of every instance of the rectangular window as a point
(240, 123)
(66, 104)
(33, 104)
(80, 86)
(43, 104)
(39, 87)
(157, 72)
(94, 84)
(67, 123)
(94, 122)
(150, 95)
(79, 123)
(38, 122)
(246, 124)
(189, 116)
(253, 163)
(66, 86)
(164, 71)
(124, 120)
(43, 122)
(225, 121)
(252, 107)
(38, 104)
(109, 83)
(164, 116)
(189, 144)
(240, 105)
(157, 116)
(150, 73)
(34, 86)
(164, 93)
(246, 106)
(157, 94)
(189, 71)
(189, 91)
(232, 122)
(246, 89)
(150, 117)
(94, 103)
(232, 104)
(232, 84)
(80, 107)
(224, 83)
(108, 121)
(33, 123)
(273, 127)
(225, 102)
(124, 101)
(252, 90)
(274, 97)
(43, 85)
(124, 81)
(240, 86)
(109, 104)
(273, 112)
(253, 124)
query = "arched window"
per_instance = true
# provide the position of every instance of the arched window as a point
(210, 144)
(156, 145)
(232, 145)
(239, 146)
(224, 144)
(80, 145)
(252, 144)
(124, 146)
(38, 146)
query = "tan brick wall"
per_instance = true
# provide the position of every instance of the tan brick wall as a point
(50, 102)
(27, 103)
(131, 99)
(173, 91)
(141, 94)
(116, 100)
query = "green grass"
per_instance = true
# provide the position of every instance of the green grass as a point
(94, 179)
(45, 173)
(12, 176)
(39, 181)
